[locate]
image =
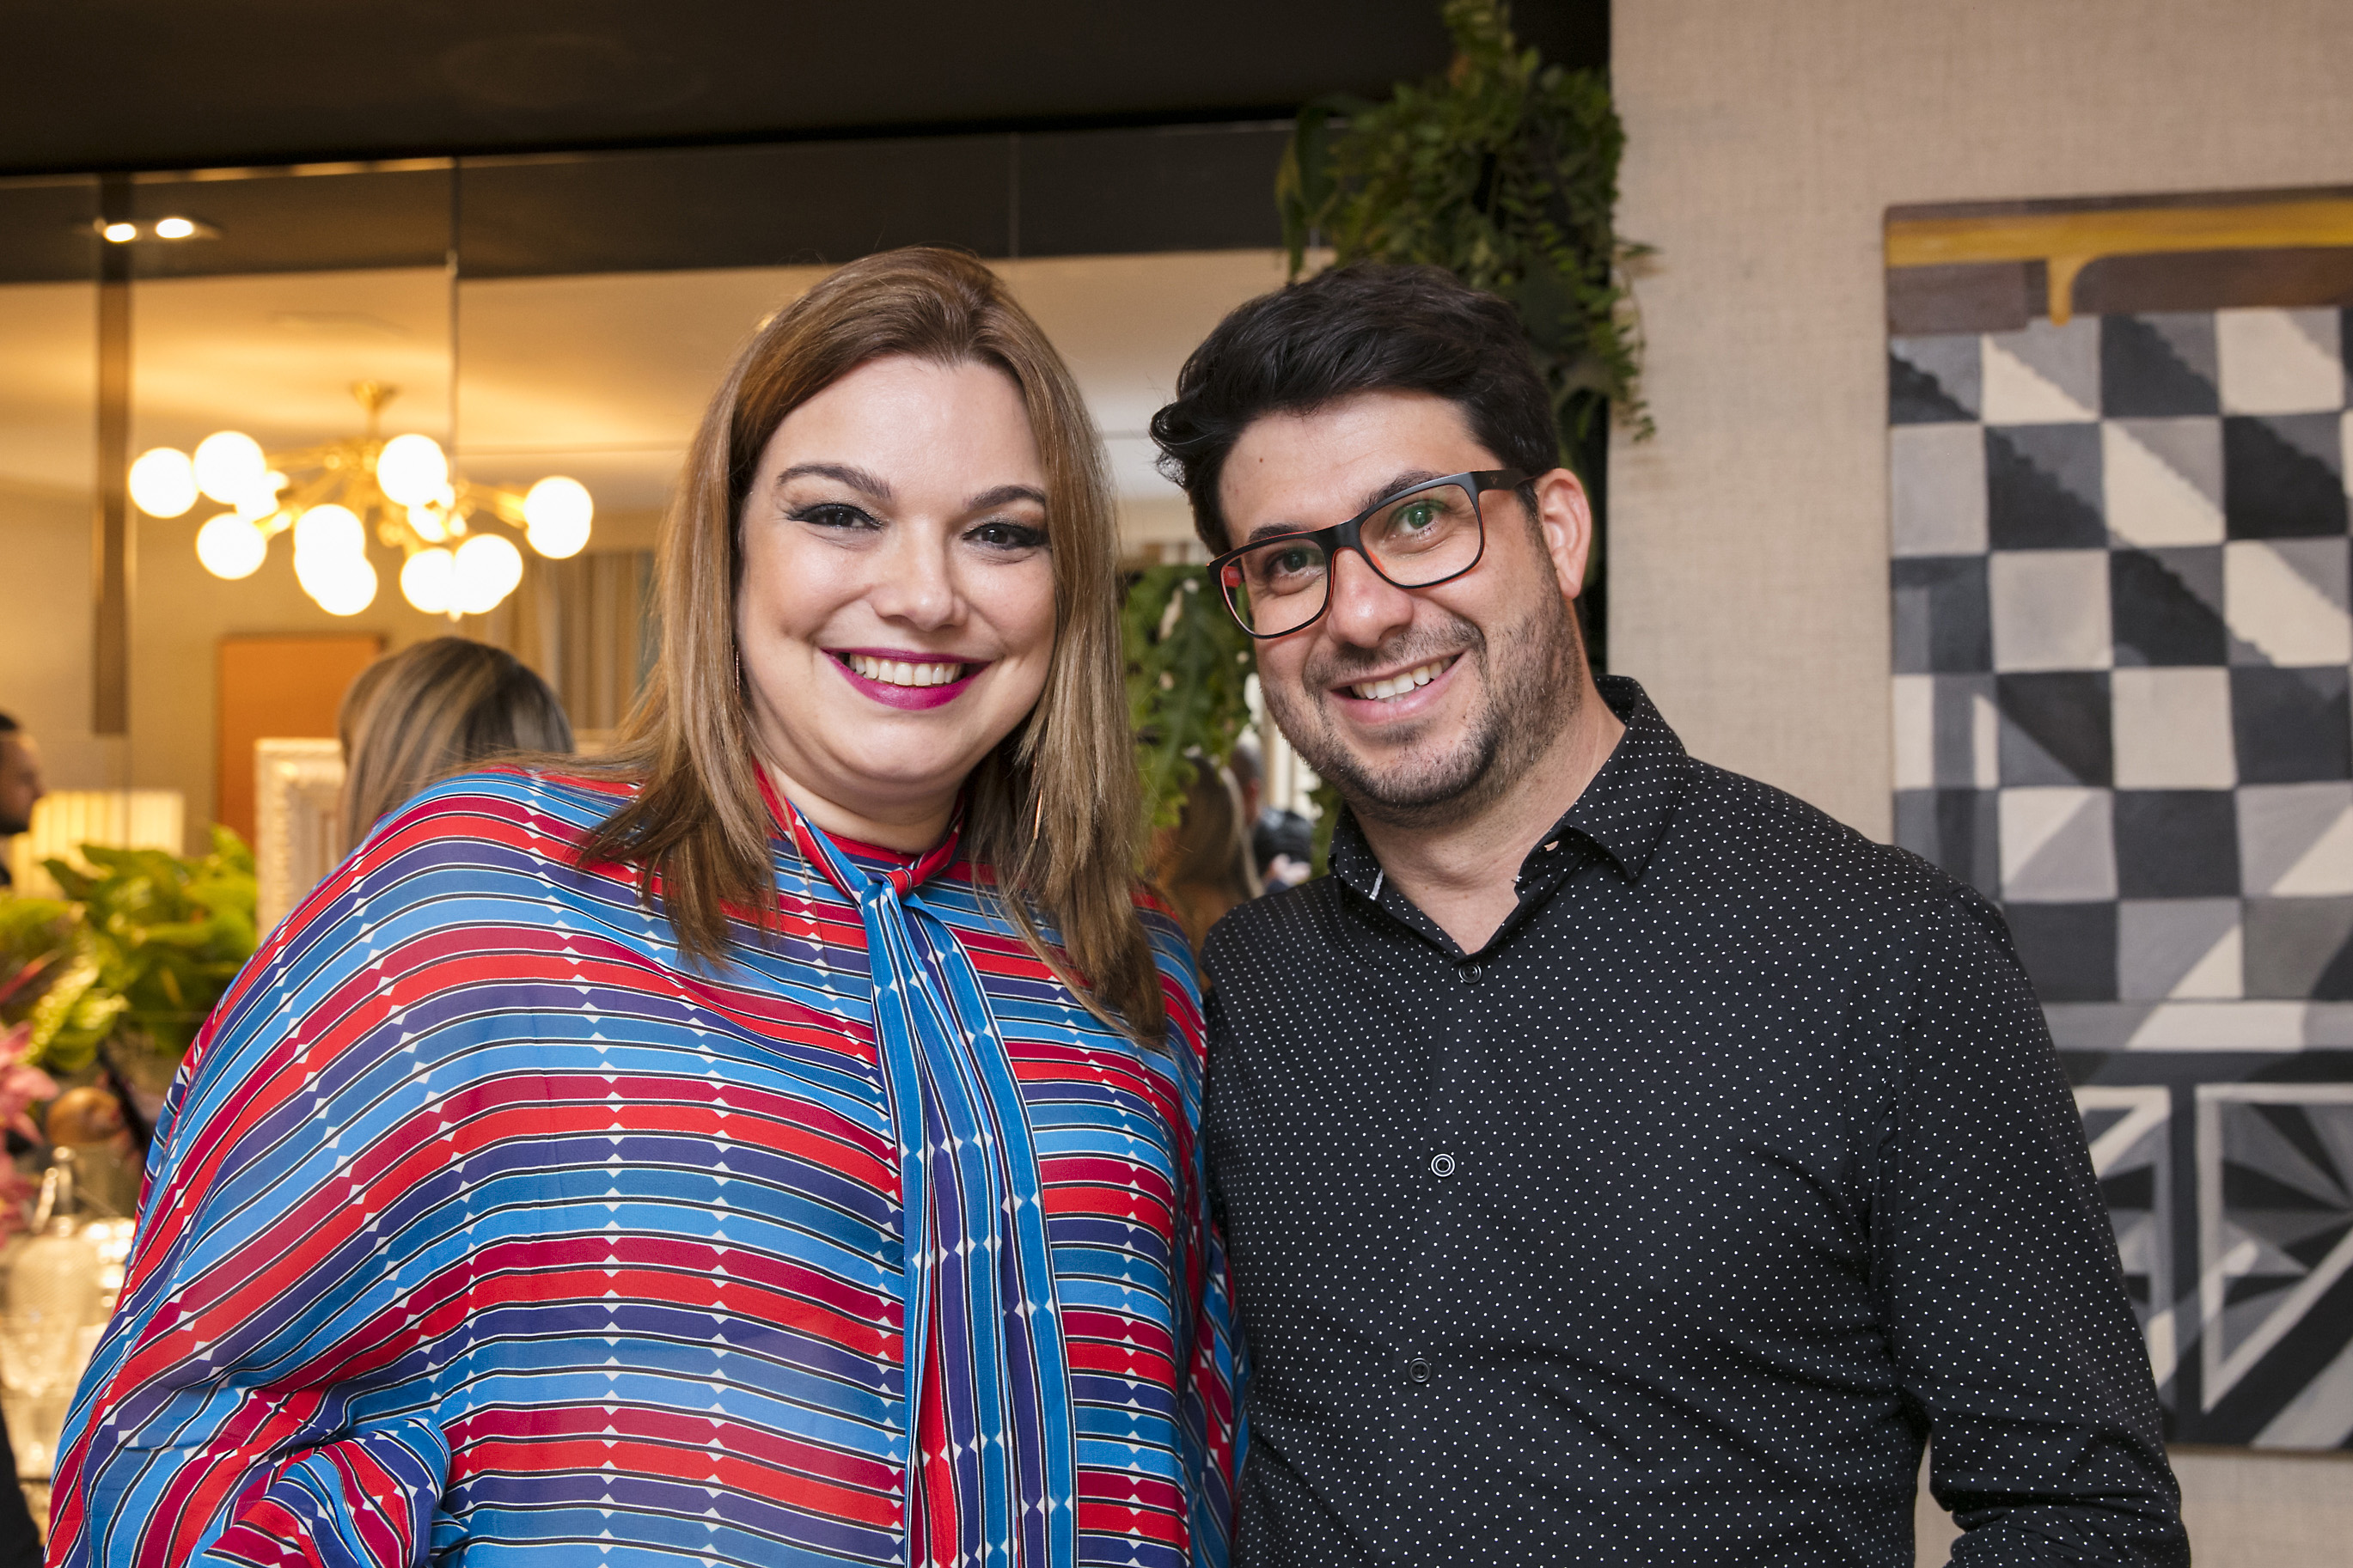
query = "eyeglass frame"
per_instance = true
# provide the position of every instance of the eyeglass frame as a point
(1350, 535)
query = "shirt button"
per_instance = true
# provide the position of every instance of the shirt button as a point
(1418, 1370)
(1441, 1164)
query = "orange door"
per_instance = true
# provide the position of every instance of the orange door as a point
(277, 686)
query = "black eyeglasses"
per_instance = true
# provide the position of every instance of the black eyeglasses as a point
(1417, 538)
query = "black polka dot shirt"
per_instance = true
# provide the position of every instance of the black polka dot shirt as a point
(1665, 1228)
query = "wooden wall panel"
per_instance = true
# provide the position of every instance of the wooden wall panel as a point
(277, 686)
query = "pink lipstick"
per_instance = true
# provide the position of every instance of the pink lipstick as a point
(891, 694)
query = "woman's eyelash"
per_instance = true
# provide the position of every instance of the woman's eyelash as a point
(1017, 535)
(830, 514)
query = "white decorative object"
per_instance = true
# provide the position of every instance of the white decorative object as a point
(298, 793)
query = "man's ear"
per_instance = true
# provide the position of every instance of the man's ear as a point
(1565, 520)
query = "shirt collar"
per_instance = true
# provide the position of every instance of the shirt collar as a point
(1624, 811)
(849, 857)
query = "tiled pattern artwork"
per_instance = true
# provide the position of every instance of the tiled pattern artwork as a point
(2123, 617)
(2124, 620)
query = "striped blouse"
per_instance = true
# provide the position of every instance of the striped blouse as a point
(478, 1223)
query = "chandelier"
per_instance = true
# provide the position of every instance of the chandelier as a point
(453, 562)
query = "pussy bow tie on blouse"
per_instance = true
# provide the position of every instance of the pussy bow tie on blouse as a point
(980, 1313)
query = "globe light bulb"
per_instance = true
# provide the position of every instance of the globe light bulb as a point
(429, 524)
(173, 228)
(427, 580)
(163, 482)
(328, 530)
(346, 587)
(316, 571)
(230, 546)
(121, 233)
(228, 464)
(262, 498)
(556, 513)
(411, 470)
(488, 568)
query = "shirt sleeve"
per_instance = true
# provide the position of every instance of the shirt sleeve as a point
(1998, 1278)
(264, 1394)
(1210, 1415)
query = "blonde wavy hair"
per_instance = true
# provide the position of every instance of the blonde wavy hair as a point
(1054, 811)
(434, 708)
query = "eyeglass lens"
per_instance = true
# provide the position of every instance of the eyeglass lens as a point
(1414, 541)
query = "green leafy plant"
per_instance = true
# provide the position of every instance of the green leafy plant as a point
(1504, 172)
(136, 957)
(1188, 666)
(49, 984)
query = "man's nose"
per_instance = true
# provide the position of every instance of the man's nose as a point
(1366, 608)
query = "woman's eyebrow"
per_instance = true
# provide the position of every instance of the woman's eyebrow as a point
(871, 485)
(1002, 494)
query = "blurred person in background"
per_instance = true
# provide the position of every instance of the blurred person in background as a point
(1249, 777)
(774, 1140)
(1202, 866)
(1281, 842)
(20, 787)
(20, 790)
(433, 709)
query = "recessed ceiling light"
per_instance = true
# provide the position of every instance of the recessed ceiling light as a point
(173, 228)
(121, 233)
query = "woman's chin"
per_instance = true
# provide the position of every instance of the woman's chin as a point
(890, 788)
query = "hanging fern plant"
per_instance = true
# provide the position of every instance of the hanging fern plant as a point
(1504, 172)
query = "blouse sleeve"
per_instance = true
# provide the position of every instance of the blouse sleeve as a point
(1209, 1416)
(267, 1390)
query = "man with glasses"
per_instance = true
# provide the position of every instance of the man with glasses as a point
(1620, 1160)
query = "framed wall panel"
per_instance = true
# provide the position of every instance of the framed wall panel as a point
(2123, 692)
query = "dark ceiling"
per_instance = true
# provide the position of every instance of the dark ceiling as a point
(163, 84)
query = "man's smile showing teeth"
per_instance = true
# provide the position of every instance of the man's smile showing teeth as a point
(1398, 685)
(899, 673)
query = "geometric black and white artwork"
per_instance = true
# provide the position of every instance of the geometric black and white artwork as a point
(2123, 697)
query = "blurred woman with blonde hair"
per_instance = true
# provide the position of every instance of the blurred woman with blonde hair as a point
(1202, 866)
(774, 1141)
(435, 709)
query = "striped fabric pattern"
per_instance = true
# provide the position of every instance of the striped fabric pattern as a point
(480, 1225)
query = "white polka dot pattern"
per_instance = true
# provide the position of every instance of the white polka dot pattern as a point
(1666, 1227)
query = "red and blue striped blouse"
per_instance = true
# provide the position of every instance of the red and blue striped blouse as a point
(479, 1224)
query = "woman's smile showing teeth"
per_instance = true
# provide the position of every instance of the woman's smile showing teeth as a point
(1398, 685)
(911, 680)
(901, 672)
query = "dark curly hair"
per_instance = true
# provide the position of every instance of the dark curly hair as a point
(1368, 327)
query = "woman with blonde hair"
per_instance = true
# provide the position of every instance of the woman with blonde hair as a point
(774, 1141)
(1202, 866)
(434, 708)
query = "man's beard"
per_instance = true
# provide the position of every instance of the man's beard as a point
(1532, 680)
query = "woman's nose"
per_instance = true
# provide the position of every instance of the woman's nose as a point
(917, 581)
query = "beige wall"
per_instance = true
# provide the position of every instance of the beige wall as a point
(1765, 142)
(1749, 574)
